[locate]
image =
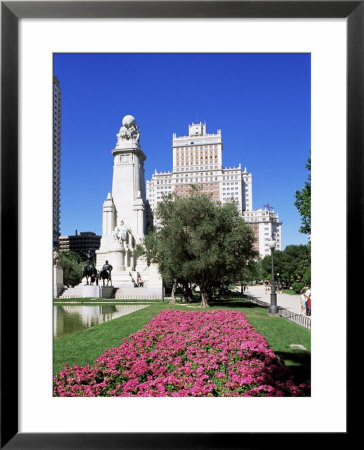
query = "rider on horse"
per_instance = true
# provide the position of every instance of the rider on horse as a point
(107, 266)
(89, 271)
(105, 272)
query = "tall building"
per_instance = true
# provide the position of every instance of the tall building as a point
(81, 243)
(197, 160)
(266, 226)
(56, 161)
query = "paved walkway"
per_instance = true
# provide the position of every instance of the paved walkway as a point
(290, 302)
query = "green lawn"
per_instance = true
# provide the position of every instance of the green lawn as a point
(84, 347)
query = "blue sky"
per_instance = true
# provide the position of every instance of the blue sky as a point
(261, 103)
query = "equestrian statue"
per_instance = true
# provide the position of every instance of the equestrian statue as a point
(89, 271)
(105, 273)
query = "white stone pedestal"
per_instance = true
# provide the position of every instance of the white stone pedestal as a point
(57, 281)
(90, 291)
(97, 291)
(152, 279)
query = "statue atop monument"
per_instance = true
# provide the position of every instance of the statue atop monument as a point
(128, 135)
(119, 234)
(124, 215)
(55, 258)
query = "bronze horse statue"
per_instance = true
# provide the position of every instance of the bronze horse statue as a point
(89, 271)
(105, 274)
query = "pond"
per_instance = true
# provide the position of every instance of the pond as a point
(68, 319)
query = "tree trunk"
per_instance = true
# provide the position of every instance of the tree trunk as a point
(173, 299)
(204, 299)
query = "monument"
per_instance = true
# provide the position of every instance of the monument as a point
(57, 275)
(124, 215)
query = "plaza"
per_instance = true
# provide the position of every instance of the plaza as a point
(174, 246)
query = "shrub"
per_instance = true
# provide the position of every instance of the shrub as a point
(72, 265)
(297, 287)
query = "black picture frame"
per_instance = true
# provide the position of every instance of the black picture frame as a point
(11, 12)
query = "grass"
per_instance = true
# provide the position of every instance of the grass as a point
(84, 347)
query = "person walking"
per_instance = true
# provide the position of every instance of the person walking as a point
(308, 302)
(303, 301)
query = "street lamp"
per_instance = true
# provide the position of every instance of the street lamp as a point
(273, 309)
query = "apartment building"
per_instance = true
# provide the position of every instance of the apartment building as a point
(81, 242)
(56, 160)
(197, 161)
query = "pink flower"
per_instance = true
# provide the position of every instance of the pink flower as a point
(179, 354)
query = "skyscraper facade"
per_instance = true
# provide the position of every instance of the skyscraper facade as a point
(56, 161)
(266, 226)
(83, 243)
(197, 161)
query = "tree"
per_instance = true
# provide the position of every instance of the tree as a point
(72, 265)
(307, 276)
(252, 271)
(291, 264)
(303, 202)
(200, 242)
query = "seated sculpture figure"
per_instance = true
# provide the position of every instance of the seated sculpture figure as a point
(120, 232)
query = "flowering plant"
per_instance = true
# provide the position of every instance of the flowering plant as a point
(181, 354)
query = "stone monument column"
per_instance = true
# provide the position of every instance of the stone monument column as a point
(124, 216)
(128, 189)
(124, 210)
(57, 276)
(108, 217)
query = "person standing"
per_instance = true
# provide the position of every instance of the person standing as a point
(303, 301)
(308, 302)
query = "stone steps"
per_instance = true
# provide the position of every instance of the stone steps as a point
(73, 292)
(134, 293)
(119, 293)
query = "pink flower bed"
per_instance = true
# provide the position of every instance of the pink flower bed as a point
(182, 354)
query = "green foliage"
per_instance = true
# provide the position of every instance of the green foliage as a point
(297, 287)
(72, 265)
(307, 276)
(291, 264)
(252, 271)
(200, 242)
(303, 202)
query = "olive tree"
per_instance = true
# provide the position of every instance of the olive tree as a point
(200, 242)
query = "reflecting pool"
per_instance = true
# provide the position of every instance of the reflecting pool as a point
(68, 319)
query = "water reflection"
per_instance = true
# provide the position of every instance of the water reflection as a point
(69, 319)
